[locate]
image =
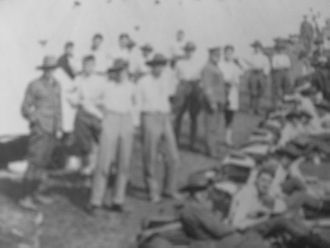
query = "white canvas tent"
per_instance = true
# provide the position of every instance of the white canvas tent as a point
(27, 24)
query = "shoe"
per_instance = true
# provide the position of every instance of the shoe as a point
(119, 208)
(28, 203)
(44, 199)
(93, 210)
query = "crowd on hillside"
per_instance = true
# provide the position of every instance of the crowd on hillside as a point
(132, 88)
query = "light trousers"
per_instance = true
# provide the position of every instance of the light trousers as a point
(116, 140)
(157, 127)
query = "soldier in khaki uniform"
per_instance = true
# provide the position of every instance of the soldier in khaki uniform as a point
(42, 108)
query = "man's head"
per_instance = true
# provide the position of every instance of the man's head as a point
(97, 41)
(157, 64)
(214, 55)
(124, 40)
(189, 49)
(118, 71)
(257, 46)
(68, 48)
(229, 52)
(264, 180)
(48, 66)
(146, 50)
(88, 64)
(180, 35)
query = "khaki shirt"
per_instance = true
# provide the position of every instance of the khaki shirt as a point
(42, 104)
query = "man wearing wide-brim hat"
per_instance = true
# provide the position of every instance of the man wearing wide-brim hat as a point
(41, 107)
(154, 92)
(116, 137)
(259, 72)
(281, 69)
(188, 97)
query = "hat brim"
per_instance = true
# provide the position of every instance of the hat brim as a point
(193, 188)
(157, 63)
(146, 49)
(46, 67)
(112, 70)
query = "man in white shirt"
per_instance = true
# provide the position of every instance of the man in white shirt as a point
(188, 99)
(177, 52)
(281, 79)
(99, 53)
(122, 51)
(232, 71)
(259, 72)
(154, 93)
(254, 204)
(116, 137)
(88, 118)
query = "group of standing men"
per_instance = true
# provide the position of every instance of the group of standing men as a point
(141, 88)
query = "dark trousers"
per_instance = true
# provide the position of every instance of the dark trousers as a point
(281, 84)
(87, 130)
(40, 150)
(256, 85)
(187, 100)
(212, 130)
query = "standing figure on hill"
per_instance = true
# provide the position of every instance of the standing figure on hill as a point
(307, 34)
(154, 94)
(281, 66)
(232, 71)
(213, 87)
(260, 68)
(116, 138)
(189, 94)
(42, 108)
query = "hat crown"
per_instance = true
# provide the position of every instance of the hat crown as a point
(49, 61)
(119, 63)
(190, 46)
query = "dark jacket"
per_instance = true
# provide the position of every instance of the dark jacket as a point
(212, 83)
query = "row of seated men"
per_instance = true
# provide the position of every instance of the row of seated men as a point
(275, 201)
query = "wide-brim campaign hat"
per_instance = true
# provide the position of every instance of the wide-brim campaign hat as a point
(147, 47)
(196, 182)
(49, 62)
(118, 65)
(257, 44)
(190, 46)
(158, 59)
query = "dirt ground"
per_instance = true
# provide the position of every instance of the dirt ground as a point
(68, 226)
